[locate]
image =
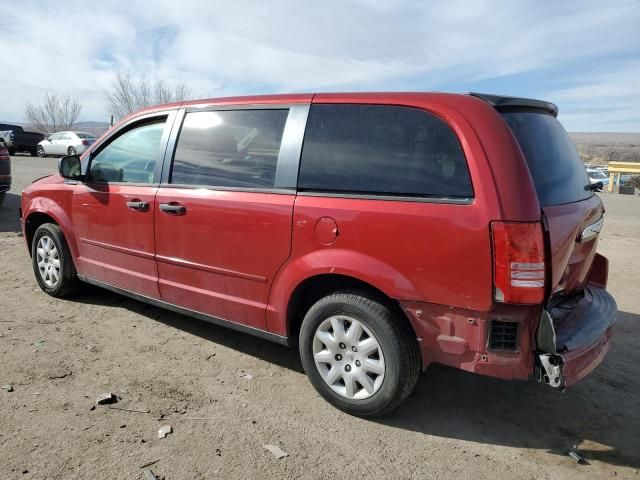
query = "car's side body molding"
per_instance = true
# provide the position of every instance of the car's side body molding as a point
(281, 339)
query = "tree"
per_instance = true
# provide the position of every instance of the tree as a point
(128, 94)
(55, 113)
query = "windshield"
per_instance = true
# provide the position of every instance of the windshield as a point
(557, 171)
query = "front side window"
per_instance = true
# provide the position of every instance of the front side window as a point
(230, 148)
(382, 150)
(130, 157)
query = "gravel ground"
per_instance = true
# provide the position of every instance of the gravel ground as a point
(227, 394)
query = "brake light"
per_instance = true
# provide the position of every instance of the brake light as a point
(4, 154)
(518, 262)
(86, 143)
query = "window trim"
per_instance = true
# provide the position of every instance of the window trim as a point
(288, 157)
(391, 196)
(169, 115)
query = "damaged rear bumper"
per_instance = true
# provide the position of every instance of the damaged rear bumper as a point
(574, 336)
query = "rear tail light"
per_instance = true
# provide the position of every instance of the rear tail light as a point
(518, 262)
(86, 143)
(4, 153)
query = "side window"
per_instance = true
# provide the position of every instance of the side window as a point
(131, 156)
(55, 136)
(382, 150)
(229, 148)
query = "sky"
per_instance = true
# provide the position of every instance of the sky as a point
(582, 55)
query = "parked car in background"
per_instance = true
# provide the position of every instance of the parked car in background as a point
(598, 175)
(66, 143)
(377, 232)
(16, 139)
(5, 172)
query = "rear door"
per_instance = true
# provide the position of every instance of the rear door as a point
(113, 209)
(224, 210)
(573, 214)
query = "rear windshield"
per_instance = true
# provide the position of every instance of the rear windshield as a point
(558, 173)
(87, 136)
(597, 174)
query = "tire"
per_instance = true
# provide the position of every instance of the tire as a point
(50, 240)
(71, 151)
(12, 151)
(3, 195)
(391, 370)
(33, 152)
(40, 151)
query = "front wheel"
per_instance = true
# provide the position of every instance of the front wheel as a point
(40, 151)
(52, 261)
(360, 355)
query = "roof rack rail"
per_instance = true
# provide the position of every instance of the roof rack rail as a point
(500, 101)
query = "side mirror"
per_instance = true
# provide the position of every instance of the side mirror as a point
(598, 186)
(69, 167)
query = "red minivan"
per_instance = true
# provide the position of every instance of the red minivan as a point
(379, 232)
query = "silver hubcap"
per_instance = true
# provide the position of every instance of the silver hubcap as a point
(348, 357)
(48, 261)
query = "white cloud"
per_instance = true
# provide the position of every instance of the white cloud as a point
(236, 47)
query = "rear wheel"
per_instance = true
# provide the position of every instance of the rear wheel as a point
(359, 354)
(52, 261)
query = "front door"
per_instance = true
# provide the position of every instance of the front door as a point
(51, 147)
(223, 225)
(113, 209)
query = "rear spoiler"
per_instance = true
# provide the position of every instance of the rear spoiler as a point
(502, 102)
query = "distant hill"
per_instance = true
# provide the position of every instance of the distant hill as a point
(594, 147)
(598, 148)
(97, 128)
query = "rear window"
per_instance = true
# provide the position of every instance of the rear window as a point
(86, 136)
(558, 173)
(382, 150)
(597, 174)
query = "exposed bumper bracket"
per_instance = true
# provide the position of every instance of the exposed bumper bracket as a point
(550, 370)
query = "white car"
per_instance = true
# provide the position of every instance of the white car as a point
(597, 175)
(65, 143)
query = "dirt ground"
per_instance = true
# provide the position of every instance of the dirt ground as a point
(227, 394)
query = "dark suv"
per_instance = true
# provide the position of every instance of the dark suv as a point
(380, 232)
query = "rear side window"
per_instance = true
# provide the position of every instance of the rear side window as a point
(230, 148)
(557, 171)
(382, 150)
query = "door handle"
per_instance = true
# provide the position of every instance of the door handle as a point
(173, 208)
(138, 206)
